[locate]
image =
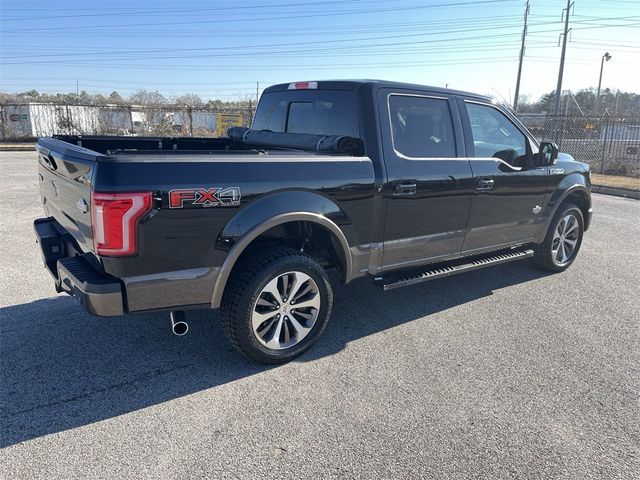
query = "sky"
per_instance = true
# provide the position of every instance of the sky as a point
(222, 49)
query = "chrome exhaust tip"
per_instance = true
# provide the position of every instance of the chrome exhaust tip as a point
(178, 324)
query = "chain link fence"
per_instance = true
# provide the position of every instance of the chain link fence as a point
(26, 122)
(609, 144)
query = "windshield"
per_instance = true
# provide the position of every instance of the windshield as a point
(317, 112)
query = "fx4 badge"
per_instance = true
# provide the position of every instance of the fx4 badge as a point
(205, 197)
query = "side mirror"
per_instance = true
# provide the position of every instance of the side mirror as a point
(547, 153)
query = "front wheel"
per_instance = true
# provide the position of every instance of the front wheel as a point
(276, 305)
(562, 241)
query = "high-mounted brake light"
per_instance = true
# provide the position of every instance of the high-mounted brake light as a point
(114, 218)
(302, 85)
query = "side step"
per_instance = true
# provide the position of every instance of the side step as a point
(466, 264)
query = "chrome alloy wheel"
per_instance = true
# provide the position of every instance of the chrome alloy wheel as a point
(565, 239)
(286, 310)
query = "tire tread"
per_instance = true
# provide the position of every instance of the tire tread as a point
(541, 258)
(233, 308)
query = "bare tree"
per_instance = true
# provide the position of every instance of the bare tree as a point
(145, 97)
(189, 99)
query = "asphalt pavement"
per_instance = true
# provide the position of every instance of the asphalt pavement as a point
(500, 373)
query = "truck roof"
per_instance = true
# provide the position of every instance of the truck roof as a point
(354, 84)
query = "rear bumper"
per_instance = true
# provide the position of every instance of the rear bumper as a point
(77, 273)
(101, 294)
(82, 276)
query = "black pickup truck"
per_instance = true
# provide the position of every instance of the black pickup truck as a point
(395, 182)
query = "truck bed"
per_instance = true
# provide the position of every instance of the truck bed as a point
(176, 245)
(113, 144)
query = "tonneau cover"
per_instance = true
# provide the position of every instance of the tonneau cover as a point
(297, 141)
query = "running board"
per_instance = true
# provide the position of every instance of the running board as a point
(425, 274)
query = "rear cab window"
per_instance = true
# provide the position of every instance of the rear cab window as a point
(316, 112)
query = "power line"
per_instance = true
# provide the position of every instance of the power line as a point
(279, 31)
(255, 46)
(318, 42)
(306, 50)
(324, 66)
(333, 13)
(215, 9)
(194, 10)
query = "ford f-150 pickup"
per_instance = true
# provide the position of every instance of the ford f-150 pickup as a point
(395, 182)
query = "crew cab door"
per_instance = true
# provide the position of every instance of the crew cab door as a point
(508, 188)
(428, 187)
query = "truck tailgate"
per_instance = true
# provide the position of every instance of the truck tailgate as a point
(65, 175)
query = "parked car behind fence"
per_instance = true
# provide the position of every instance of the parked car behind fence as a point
(609, 144)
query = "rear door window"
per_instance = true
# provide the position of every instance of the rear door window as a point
(421, 127)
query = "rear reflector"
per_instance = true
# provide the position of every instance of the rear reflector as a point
(303, 85)
(114, 218)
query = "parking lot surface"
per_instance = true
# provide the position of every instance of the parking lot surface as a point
(506, 372)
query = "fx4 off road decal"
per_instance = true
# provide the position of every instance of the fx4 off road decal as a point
(204, 197)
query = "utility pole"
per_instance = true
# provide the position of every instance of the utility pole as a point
(566, 115)
(605, 57)
(524, 34)
(257, 92)
(77, 88)
(564, 49)
(576, 103)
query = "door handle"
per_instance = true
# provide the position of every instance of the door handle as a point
(484, 184)
(404, 189)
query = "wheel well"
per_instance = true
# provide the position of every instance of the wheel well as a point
(306, 236)
(581, 200)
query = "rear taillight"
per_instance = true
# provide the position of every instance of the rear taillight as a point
(114, 217)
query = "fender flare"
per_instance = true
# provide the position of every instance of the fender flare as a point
(260, 228)
(556, 199)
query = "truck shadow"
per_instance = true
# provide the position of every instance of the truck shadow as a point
(61, 368)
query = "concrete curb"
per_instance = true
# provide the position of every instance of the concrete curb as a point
(618, 192)
(25, 148)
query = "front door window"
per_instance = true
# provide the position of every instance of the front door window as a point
(495, 136)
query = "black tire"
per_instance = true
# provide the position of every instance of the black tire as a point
(544, 256)
(244, 289)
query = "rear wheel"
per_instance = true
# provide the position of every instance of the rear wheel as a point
(562, 241)
(276, 305)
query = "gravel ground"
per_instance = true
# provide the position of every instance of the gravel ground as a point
(501, 373)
